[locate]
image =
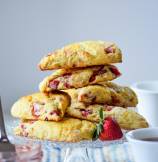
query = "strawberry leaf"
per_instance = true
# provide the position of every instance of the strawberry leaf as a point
(99, 127)
(101, 114)
(95, 135)
(98, 130)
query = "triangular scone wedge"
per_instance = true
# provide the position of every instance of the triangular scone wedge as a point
(66, 130)
(126, 118)
(82, 54)
(79, 77)
(109, 93)
(41, 106)
(120, 95)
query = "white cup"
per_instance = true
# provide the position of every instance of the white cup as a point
(147, 93)
(143, 151)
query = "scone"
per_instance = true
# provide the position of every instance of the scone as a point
(126, 118)
(41, 106)
(82, 54)
(79, 77)
(120, 95)
(67, 130)
(107, 93)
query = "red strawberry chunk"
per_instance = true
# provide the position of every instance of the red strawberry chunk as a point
(22, 126)
(99, 71)
(66, 76)
(111, 130)
(55, 112)
(85, 113)
(46, 119)
(36, 110)
(102, 72)
(109, 50)
(115, 70)
(92, 78)
(67, 85)
(54, 84)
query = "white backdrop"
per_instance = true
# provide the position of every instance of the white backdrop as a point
(31, 28)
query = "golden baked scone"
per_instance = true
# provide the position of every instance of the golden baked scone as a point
(107, 93)
(41, 106)
(126, 118)
(79, 77)
(82, 54)
(120, 95)
(67, 130)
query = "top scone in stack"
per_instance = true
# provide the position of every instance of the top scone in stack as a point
(76, 91)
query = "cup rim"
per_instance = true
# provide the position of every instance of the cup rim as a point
(135, 86)
(130, 138)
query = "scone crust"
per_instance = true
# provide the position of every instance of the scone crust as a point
(127, 118)
(107, 93)
(41, 106)
(66, 130)
(82, 54)
(78, 77)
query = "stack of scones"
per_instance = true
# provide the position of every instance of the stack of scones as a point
(67, 106)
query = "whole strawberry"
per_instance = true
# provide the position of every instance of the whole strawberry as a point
(111, 130)
(107, 129)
